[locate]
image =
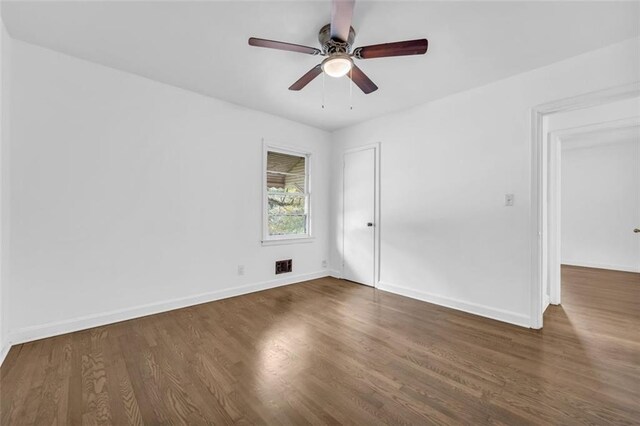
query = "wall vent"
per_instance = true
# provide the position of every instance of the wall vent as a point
(283, 266)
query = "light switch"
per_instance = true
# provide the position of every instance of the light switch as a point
(508, 200)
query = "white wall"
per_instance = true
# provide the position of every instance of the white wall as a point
(129, 196)
(446, 235)
(5, 65)
(119, 184)
(601, 205)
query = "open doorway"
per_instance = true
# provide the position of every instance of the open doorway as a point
(600, 209)
(589, 194)
(600, 199)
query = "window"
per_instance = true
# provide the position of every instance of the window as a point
(286, 195)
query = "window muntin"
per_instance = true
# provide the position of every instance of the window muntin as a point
(287, 195)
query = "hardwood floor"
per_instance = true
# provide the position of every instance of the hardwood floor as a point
(329, 351)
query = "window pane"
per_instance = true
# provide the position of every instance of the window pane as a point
(285, 173)
(287, 225)
(286, 204)
(286, 192)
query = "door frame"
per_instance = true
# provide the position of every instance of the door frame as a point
(376, 208)
(540, 169)
(555, 194)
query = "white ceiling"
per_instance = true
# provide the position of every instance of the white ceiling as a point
(202, 46)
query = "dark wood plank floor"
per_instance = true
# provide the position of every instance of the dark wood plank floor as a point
(329, 351)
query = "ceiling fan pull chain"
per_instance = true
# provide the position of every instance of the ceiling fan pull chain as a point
(351, 89)
(322, 90)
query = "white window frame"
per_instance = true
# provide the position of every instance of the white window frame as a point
(293, 238)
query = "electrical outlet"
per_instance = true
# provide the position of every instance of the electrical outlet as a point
(324, 263)
(508, 200)
(240, 269)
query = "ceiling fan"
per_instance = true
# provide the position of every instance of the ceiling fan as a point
(336, 40)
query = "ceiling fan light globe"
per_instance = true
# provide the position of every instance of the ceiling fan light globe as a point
(337, 67)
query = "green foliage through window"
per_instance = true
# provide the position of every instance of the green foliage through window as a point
(287, 195)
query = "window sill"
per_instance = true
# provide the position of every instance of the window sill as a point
(284, 241)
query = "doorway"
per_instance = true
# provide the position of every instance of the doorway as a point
(361, 219)
(589, 116)
(598, 200)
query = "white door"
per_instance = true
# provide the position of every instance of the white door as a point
(359, 216)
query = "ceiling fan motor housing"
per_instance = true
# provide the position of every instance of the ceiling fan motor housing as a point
(332, 46)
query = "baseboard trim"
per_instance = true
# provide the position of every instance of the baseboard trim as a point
(460, 305)
(28, 334)
(608, 266)
(335, 274)
(545, 302)
(4, 350)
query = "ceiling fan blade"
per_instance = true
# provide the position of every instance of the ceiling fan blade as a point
(341, 16)
(307, 78)
(361, 80)
(400, 48)
(281, 45)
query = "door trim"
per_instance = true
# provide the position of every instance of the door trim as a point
(376, 209)
(539, 164)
